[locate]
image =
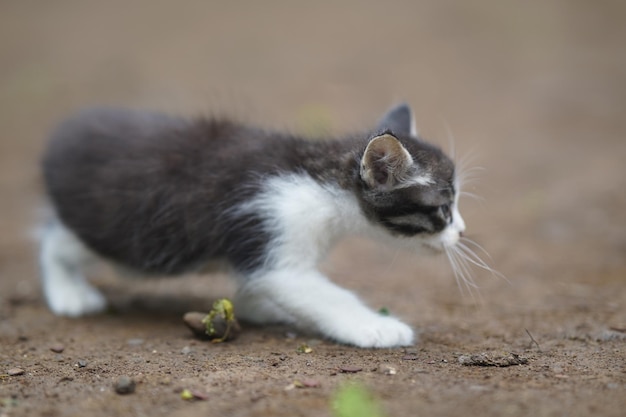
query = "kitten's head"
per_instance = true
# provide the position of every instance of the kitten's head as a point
(408, 186)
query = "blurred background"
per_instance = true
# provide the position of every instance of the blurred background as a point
(533, 91)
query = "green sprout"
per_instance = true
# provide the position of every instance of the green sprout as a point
(224, 309)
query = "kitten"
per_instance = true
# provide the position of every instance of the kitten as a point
(166, 195)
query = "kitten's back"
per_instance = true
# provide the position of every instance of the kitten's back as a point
(148, 190)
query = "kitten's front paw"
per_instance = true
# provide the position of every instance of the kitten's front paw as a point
(376, 332)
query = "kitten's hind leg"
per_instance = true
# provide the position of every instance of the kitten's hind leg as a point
(253, 307)
(311, 302)
(62, 260)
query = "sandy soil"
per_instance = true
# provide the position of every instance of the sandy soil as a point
(537, 93)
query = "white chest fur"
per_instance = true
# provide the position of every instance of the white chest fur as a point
(306, 218)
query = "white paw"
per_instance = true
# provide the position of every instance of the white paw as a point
(375, 332)
(76, 300)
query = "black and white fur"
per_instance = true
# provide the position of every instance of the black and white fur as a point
(165, 195)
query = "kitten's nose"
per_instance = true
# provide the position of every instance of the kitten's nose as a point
(460, 233)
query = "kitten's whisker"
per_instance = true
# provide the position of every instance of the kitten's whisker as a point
(471, 257)
(455, 270)
(461, 273)
(464, 275)
(468, 176)
(451, 138)
(471, 170)
(471, 195)
(474, 259)
(467, 159)
(474, 170)
(469, 279)
(474, 243)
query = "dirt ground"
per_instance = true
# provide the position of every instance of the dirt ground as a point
(536, 91)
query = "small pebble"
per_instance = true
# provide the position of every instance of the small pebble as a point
(350, 369)
(124, 385)
(81, 363)
(310, 383)
(199, 395)
(57, 348)
(387, 370)
(223, 330)
(15, 372)
(186, 350)
(134, 342)
(409, 358)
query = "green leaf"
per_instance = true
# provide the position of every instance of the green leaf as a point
(354, 400)
(384, 311)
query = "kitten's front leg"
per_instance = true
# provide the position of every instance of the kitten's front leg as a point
(308, 300)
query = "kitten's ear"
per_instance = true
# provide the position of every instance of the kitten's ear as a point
(399, 120)
(385, 163)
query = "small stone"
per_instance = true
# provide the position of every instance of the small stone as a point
(199, 395)
(310, 383)
(350, 369)
(15, 372)
(387, 370)
(57, 348)
(193, 320)
(186, 350)
(409, 358)
(81, 363)
(222, 329)
(124, 385)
